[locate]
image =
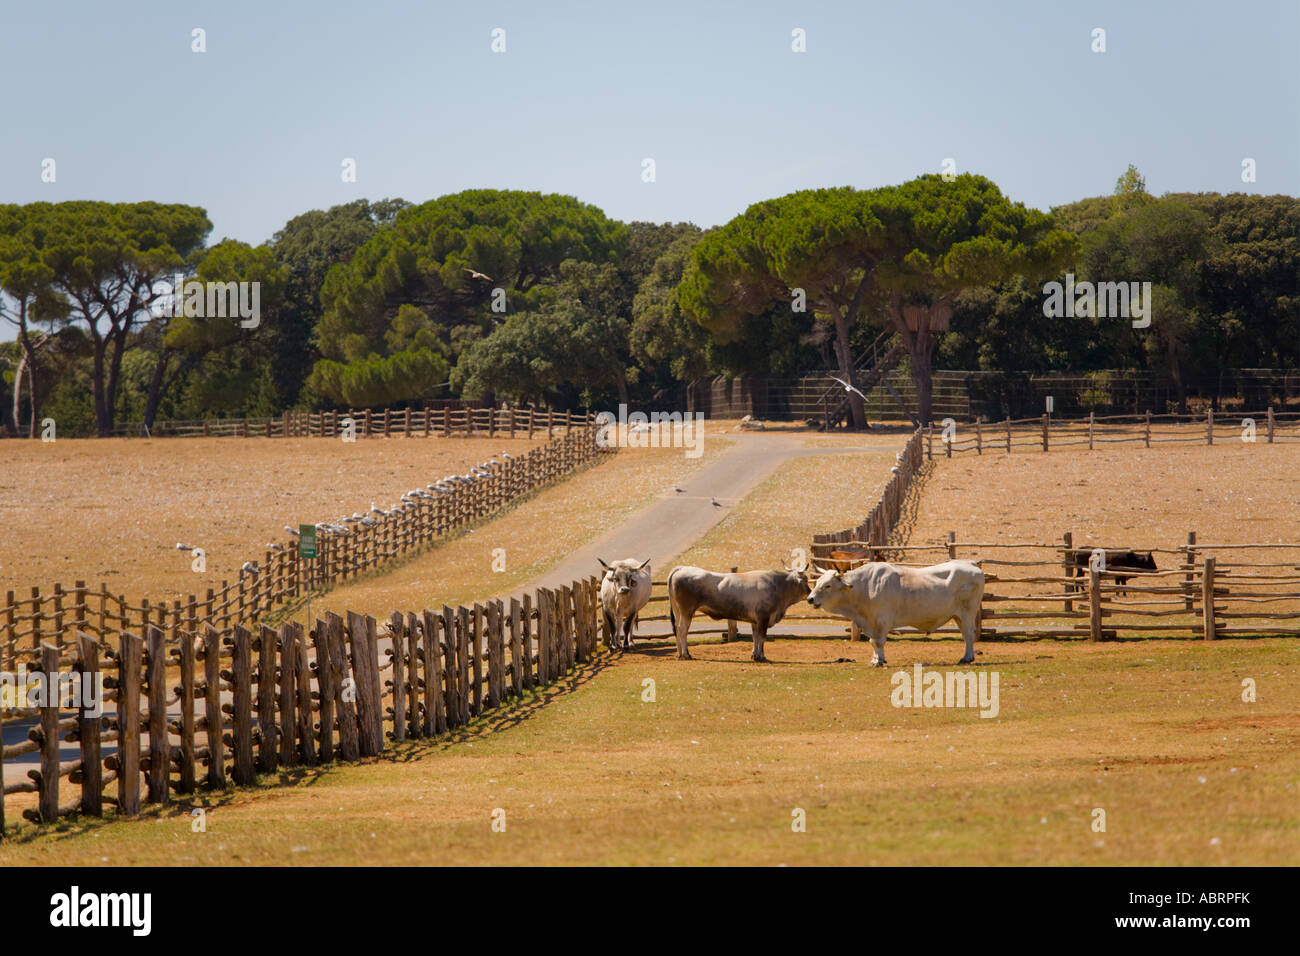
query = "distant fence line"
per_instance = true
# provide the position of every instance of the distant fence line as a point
(1046, 432)
(408, 422)
(988, 394)
(195, 708)
(26, 623)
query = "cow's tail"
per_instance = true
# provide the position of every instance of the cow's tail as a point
(672, 618)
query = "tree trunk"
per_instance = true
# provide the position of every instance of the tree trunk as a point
(18, 394)
(844, 352)
(34, 429)
(155, 388)
(920, 347)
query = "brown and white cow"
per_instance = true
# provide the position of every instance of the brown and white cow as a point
(760, 598)
(881, 597)
(624, 590)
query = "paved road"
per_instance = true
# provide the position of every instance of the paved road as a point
(669, 525)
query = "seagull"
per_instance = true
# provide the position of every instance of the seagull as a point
(292, 531)
(678, 490)
(183, 547)
(249, 566)
(275, 547)
(474, 274)
(848, 387)
(716, 502)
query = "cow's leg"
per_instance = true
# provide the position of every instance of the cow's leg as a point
(683, 627)
(627, 633)
(970, 625)
(878, 644)
(760, 634)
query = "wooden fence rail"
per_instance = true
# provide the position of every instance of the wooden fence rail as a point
(371, 423)
(1046, 433)
(244, 702)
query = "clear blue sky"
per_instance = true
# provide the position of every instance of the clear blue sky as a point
(254, 130)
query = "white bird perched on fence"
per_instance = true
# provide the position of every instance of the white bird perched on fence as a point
(894, 470)
(249, 567)
(507, 456)
(183, 547)
(292, 531)
(375, 509)
(274, 547)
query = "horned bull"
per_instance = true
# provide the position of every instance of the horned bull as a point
(760, 598)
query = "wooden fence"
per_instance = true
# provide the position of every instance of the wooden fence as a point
(198, 708)
(1045, 433)
(385, 423)
(882, 518)
(343, 552)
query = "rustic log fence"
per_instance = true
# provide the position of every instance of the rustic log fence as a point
(206, 708)
(56, 615)
(1045, 433)
(377, 423)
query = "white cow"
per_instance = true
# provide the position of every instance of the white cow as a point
(880, 598)
(624, 590)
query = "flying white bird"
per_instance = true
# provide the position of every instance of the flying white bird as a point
(848, 387)
(474, 274)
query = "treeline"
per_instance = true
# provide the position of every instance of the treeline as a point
(533, 298)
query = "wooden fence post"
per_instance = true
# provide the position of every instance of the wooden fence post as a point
(526, 639)
(413, 657)
(48, 781)
(92, 767)
(494, 656)
(160, 751)
(367, 706)
(463, 663)
(1209, 426)
(288, 694)
(268, 733)
(1045, 426)
(1207, 597)
(397, 653)
(1146, 435)
(450, 668)
(1189, 579)
(344, 684)
(1094, 603)
(241, 713)
(1270, 424)
(435, 703)
(127, 760)
(979, 437)
(325, 687)
(476, 656)
(1070, 568)
(1092, 420)
(212, 708)
(516, 652)
(1008, 434)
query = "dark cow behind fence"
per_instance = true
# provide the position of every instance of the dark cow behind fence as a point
(1117, 559)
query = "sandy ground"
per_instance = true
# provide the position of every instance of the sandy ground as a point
(113, 510)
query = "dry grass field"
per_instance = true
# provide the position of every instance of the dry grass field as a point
(112, 510)
(1153, 732)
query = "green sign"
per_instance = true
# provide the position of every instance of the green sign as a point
(306, 541)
